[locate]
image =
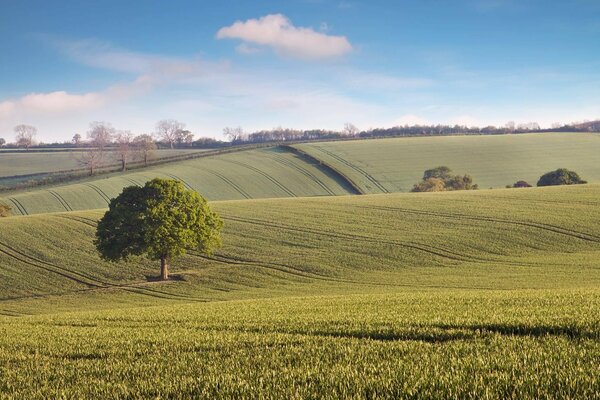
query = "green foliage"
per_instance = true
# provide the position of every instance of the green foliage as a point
(561, 176)
(160, 220)
(440, 179)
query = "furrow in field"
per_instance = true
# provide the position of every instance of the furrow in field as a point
(226, 180)
(178, 179)
(61, 200)
(537, 225)
(304, 171)
(260, 172)
(446, 254)
(19, 206)
(99, 191)
(354, 167)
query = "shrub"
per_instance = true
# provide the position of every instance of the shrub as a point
(440, 179)
(520, 184)
(561, 176)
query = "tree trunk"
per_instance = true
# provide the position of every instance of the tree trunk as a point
(164, 268)
(146, 159)
(123, 164)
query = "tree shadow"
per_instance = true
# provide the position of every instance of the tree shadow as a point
(172, 278)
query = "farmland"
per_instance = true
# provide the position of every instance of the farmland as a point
(394, 165)
(480, 294)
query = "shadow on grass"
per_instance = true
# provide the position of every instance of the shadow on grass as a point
(172, 278)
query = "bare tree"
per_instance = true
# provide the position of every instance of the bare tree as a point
(76, 139)
(234, 134)
(145, 147)
(350, 129)
(100, 134)
(169, 130)
(25, 135)
(2, 142)
(124, 144)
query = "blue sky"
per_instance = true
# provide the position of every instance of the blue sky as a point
(299, 63)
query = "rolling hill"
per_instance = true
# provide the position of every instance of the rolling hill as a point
(395, 165)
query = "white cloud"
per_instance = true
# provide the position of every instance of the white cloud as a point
(245, 48)
(278, 32)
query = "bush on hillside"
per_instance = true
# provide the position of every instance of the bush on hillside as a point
(561, 176)
(520, 184)
(4, 210)
(440, 179)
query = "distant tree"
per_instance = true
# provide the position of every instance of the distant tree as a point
(2, 142)
(234, 134)
(561, 176)
(442, 173)
(430, 185)
(161, 220)
(350, 129)
(169, 130)
(521, 184)
(145, 147)
(510, 126)
(100, 134)
(76, 139)
(440, 179)
(4, 210)
(25, 135)
(123, 140)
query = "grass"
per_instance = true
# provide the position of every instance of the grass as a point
(34, 162)
(269, 172)
(488, 294)
(395, 165)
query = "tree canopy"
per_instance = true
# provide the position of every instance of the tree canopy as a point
(440, 179)
(561, 176)
(161, 220)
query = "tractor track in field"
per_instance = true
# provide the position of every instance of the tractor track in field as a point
(61, 200)
(135, 183)
(443, 253)
(226, 180)
(269, 177)
(537, 225)
(99, 191)
(281, 160)
(354, 167)
(19, 206)
(172, 176)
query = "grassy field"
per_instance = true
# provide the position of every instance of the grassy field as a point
(488, 294)
(35, 162)
(262, 173)
(395, 165)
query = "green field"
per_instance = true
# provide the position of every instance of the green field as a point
(261, 173)
(395, 165)
(487, 294)
(36, 162)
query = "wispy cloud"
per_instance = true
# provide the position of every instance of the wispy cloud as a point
(277, 32)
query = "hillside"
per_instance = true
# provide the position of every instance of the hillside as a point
(260, 173)
(525, 238)
(395, 165)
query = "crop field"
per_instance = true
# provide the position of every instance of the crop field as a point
(395, 165)
(270, 172)
(35, 162)
(487, 294)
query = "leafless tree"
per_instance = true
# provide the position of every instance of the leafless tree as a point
(25, 135)
(145, 147)
(100, 134)
(169, 130)
(123, 140)
(234, 134)
(91, 158)
(510, 126)
(350, 129)
(76, 139)
(2, 142)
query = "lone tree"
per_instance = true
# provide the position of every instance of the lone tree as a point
(25, 135)
(169, 130)
(144, 146)
(561, 176)
(160, 220)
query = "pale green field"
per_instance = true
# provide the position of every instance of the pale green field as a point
(395, 165)
(35, 162)
(262, 173)
(488, 294)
